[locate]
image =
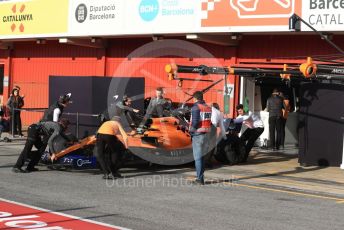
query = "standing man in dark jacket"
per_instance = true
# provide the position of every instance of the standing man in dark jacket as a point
(39, 135)
(15, 102)
(54, 112)
(274, 106)
(200, 127)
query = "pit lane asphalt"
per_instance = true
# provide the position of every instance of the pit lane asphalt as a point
(161, 198)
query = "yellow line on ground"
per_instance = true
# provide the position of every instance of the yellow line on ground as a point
(190, 178)
(285, 181)
(288, 192)
(306, 184)
(338, 200)
(281, 173)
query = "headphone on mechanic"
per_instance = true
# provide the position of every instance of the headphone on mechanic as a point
(65, 98)
(125, 99)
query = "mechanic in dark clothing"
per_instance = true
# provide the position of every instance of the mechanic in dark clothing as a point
(155, 108)
(15, 102)
(124, 108)
(121, 108)
(274, 106)
(157, 105)
(39, 135)
(54, 112)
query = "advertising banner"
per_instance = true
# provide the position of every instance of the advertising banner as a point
(164, 16)
(89, 17)
(323, 15)
(119, 17)
(30, 18)
(248, 15)
(60, 18)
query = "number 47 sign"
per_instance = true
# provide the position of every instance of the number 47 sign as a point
(228, 93)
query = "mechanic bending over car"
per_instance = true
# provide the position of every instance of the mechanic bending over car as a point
(110, 162)
(132, 115)
(255, 127)
(40, 135)
(124, 108)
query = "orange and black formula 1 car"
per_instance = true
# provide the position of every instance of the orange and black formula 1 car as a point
(164, 141)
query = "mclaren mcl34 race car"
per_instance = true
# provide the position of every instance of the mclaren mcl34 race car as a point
(164, 141)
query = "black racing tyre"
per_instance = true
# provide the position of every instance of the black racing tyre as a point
(220, 152)
(235, 153)
(231, 151)
(242, 152)
(231, 154)
(60, 143)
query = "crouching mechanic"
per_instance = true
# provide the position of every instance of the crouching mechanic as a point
(255, 127)
(39, 135)
(107, 136)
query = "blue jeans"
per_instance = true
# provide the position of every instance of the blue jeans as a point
(199, 148)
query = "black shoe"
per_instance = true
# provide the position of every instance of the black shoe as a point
(6, 139)
(117, 175)
(18, 170)
(304, 165)
(198, 182)
(32, 169)
(108, 177)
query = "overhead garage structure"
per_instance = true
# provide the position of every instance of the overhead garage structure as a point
(137, 38)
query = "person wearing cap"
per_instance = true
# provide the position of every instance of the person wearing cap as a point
(107, 136)
(40, 135)
(54, 112)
